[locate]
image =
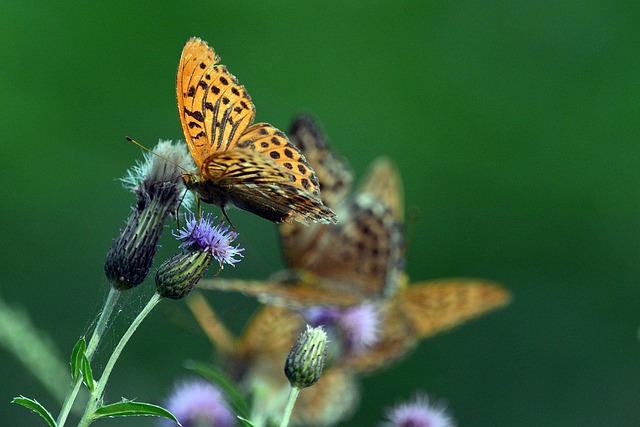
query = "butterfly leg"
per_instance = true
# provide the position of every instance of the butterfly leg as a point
(224, 213)
(219, 335)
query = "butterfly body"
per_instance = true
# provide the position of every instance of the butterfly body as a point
(251, 166)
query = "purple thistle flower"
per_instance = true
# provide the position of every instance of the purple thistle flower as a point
(201, 242)
(418, 413)
(203, 235)
(198, 403)
(356, 328)
(361, 325)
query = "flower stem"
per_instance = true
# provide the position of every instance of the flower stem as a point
(101, 325)
(293, 395)
(96, 395)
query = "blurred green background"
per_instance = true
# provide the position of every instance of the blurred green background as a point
(515, 126)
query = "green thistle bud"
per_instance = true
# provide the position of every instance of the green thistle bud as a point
(305, 361)
(158, 186)
(177, 276)
(201, 242)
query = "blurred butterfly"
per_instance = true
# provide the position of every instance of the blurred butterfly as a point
(251, 166)
(343, 264)
(361, 259)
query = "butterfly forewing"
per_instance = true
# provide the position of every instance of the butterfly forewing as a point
(214, 109)
(383, 181)
(216, 113)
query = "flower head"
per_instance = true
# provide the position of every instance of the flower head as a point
(305, 361)
(199, 403)
(203, 235)
(356, 328)
(419, 413)
(201, 242)
(159, 190)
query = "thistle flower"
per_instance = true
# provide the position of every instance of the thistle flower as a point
(201, 243)
(159, 189)
(355, 328)
(199, 403)
(305, 361)
(418, 413)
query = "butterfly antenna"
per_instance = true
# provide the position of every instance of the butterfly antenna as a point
(154, 153)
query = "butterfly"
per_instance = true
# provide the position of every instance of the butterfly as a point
(370, 239)
(343, 264)
(251, 166)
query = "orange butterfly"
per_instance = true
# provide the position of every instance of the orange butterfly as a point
(251, 166)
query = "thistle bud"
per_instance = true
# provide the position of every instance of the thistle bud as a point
(159, 188)
(201, 243)
(305, 361)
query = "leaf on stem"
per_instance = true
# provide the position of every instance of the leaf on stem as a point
(77, 355)
(133, 409)
(36, 407)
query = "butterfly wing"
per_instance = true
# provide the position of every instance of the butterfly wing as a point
(439, 305)
(383, 181)
(214, 109)
(293, 294)
(363, 253)
(335, 179)
(423, 310)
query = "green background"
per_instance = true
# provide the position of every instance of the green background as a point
(514, 124)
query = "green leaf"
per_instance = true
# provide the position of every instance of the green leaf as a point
(245, 422)
(237, 401)
(87, 373)
(77, 355)
(35, 407)
(134, 409)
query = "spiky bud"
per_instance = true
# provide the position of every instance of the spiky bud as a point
(159, 189)
(305, 361)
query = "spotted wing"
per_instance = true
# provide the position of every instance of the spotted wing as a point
(252, 181)
(214, 109)
(362, 255)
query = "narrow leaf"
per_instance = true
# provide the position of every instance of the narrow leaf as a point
(35, 407)
(87, 373)
(76, 358)
(245, 422)
(133, 409)
(237, 401)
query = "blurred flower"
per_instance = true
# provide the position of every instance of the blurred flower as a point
(305, 361)
(201, 242)
(418, 413)
(198, 403)
(356, 328)
(159, 189)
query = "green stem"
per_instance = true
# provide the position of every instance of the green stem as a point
(293, 395)
(101, 325)
(96, 395)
